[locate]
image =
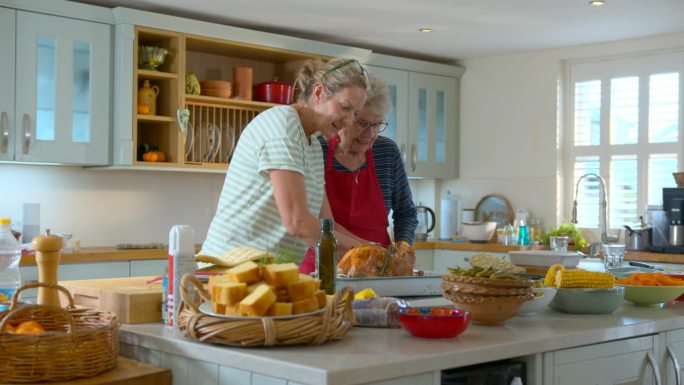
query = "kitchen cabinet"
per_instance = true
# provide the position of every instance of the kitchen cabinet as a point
(55, 104)
(424, 119)
(210, 52)
(672, 353)
(628, 361)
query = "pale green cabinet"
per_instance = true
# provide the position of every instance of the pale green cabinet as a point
(59, 84)
(423, 121)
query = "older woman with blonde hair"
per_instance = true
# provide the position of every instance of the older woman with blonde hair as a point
(273, 194)
(365, 178)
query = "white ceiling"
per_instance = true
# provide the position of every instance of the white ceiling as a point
(463, 29)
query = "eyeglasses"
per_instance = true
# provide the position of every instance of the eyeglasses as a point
(354, 62)
(365, 126)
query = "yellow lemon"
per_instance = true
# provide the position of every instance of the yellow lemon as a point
(366, 294)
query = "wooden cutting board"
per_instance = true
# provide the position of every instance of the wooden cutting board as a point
(131, 299)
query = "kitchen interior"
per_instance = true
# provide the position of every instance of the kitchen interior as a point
(511, 129)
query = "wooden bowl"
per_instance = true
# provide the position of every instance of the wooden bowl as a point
(216, 88)
(488, 310)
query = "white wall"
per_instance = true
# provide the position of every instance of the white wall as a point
(508, 146)
(509, 124)
(105, 207)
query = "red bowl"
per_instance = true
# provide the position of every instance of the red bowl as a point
(681, 277)
(434, 322)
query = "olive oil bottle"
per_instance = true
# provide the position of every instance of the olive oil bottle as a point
(326, 256)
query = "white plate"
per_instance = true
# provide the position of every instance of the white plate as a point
(429, 284)
(206, 308)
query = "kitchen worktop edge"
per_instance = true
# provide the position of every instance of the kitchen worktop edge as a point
(109, 254)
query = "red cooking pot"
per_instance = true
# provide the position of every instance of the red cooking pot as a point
(273, 91)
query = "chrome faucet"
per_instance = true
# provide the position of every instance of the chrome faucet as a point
(595, 247)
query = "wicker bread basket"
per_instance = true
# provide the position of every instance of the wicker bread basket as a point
(330, 324)
(76, 342)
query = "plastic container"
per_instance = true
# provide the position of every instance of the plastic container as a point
(448, 218)
(10, 254)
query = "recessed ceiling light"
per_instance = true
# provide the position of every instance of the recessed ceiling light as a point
(597, 3)
(425, 30)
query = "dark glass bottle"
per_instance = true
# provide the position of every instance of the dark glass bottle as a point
(326, 256)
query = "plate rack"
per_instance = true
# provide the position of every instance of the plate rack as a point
(213, 131)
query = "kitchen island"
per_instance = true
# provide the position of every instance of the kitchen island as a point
(546, 342)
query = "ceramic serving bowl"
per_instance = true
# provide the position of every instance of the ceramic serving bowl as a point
(542, 298)
(479, 232)
(434, 322)
(588, 301)
(651, 295)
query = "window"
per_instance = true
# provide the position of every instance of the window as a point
(625, 124)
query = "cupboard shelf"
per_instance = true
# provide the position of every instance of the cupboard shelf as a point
(238, 103)
(155, 118)
(150, 74)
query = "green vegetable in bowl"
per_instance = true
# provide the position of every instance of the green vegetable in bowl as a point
(571, 231)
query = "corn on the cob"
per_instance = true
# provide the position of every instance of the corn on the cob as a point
(560, 277)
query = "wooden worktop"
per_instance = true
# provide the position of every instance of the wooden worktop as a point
(108, 254)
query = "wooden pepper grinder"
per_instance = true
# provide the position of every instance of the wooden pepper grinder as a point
(47, 249)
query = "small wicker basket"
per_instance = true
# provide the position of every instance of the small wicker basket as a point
(331, 324)
(76, 342)
(679, 178)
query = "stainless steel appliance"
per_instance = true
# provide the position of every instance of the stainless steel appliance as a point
(668, 225)
(424, 225)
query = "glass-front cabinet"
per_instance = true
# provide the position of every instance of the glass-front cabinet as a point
(423, 121)
(61, 87)
(7, 23)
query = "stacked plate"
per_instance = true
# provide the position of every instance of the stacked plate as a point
(490, 301)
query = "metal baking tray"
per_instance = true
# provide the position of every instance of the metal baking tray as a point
(429, 284)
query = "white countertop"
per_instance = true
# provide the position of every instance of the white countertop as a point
(370, 354)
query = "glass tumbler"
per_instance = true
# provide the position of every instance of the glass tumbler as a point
(559, 243)
(613, 255)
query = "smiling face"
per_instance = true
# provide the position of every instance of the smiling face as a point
(336, 111)
(359, 138)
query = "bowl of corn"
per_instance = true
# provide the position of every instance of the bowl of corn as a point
(583, 292)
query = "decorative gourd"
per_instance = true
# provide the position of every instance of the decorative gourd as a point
(154, 156)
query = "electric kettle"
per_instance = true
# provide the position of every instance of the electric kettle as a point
(424, 225)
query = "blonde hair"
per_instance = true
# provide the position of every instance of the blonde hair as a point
(334, 74)
(378, 100)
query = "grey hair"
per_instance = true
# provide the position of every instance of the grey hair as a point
(378, 100)
(334, 74)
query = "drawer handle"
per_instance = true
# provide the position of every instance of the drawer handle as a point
(4, 124)
(654, 366)
(675, 364)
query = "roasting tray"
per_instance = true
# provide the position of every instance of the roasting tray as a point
(425, 285)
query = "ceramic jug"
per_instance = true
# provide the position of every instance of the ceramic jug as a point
(147, 97)
(424, 225)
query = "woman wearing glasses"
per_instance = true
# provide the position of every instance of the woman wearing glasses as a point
(273, 195)
(365, 177)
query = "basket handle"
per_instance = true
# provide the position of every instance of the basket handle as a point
(54, 309)
(344, 299)
(186, 297)
(67, 294)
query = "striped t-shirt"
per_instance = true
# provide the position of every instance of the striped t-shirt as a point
(247, 214)
(396, 192)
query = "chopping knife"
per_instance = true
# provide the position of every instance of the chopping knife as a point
(644, 265)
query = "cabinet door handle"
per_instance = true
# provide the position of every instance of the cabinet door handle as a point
(27, 133)
(402, 151)
(414, 157)
(654, 366)
(675, 364)
(4, 141)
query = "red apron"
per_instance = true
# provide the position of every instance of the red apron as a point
(356, 202)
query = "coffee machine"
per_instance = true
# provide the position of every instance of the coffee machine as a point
(668, 225)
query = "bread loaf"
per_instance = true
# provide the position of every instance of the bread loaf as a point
(247, 272)
(257, 303)
(280, 275)
(228, 293)
(280, 309)
(305, 306)
(301, 290)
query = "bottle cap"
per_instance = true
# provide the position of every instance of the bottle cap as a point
(5, 221)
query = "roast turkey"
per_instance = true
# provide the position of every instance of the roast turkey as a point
(372, 260)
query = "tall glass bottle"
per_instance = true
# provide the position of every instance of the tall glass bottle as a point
(326, 256)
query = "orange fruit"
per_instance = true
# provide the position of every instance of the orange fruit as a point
(29, 327)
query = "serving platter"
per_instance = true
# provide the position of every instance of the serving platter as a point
(428, 284)
(207, 309)
(494, 208)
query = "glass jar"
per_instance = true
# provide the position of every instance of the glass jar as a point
(536, 231)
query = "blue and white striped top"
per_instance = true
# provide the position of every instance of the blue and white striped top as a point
(396, 193)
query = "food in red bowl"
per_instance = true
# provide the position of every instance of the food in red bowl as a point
(679, 275)
(434, 322)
